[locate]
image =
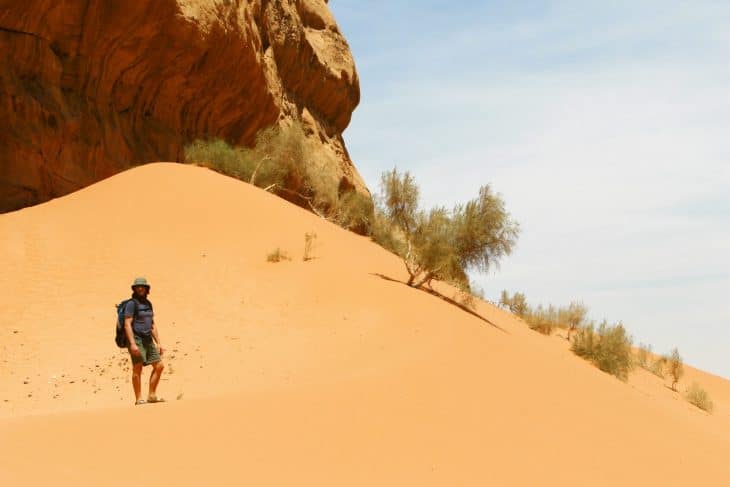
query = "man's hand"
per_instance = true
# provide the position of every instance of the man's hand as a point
(161, 349)
(134, 350)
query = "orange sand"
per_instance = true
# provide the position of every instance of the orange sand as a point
(298, 373)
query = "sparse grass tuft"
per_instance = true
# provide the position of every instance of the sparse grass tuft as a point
(699, 397)
(277, 256)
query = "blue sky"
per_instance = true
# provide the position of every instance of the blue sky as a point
(605, 126)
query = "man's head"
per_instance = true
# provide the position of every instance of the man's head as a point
(141, 287)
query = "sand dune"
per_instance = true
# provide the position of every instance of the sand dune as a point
(325, 372)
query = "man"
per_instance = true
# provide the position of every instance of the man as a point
(144, 341)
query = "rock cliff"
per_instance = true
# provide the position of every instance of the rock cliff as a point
(92, 87)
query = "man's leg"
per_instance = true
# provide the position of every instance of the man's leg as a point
(157, 369)
(137, 380)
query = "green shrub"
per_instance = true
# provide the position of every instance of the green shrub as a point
(386, 235)
(608, 347)
(218, 155)
(354, 211)
(517, 303)
(542, 319)
(642, 356)
(285, 162)
(675, 367)
(657, 367)
(572, 317)
(699, 397)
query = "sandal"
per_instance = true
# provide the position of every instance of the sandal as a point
(140, 401)
(154, 399)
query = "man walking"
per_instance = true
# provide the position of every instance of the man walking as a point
(144, 340)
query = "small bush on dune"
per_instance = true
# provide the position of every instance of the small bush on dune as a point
(542, 319)
(218, 155)
(354, 211)
(642, 356)
(608, 347)
(285, 162)
(277, 256)
(516, 304)
(573, 317)
(385, 235)
(675, 367)
(699, 397)
(657, 367)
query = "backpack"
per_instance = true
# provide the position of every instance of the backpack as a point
(121, 336)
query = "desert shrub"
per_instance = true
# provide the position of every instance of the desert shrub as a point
(517, 303)
(572, 317)
(675, 367)
(284, 161)
(218, 155)
(699, 397)
(608, 347)
(643, 353)
(657, 367)
(354, 211)
(277, 256)
(468, 293)
(309, 239)
(441, 243)
(385, 234)
(541, 319)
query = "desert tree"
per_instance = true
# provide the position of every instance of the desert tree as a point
(444, 243)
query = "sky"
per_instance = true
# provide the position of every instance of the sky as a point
(604, 126)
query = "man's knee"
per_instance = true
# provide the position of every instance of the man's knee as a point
(158, 366)
(137, 370)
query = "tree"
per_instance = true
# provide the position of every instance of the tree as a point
(675, 367)
(441, 243)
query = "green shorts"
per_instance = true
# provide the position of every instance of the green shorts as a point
(147, 349)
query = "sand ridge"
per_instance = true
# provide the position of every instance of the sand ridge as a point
(326, 372)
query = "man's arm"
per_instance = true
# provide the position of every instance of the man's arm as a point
(130, 335)
(156, 336)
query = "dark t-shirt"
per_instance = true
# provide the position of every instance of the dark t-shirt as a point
(142, 324)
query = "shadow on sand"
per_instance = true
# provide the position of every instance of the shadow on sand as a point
(449, 300)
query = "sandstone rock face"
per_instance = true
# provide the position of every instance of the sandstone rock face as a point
(91, 87)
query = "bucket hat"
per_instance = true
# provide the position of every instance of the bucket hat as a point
(141, 281)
